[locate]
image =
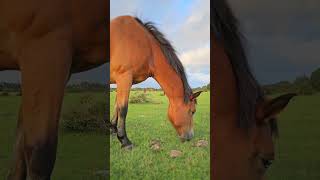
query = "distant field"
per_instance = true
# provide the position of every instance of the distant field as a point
(80, 155)
(147, 122)
(298, 146)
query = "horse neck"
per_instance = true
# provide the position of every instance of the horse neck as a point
(225, 97)
(168, 79)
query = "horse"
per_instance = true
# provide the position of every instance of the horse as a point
(47, 41)
(244, 125)
(138, 50)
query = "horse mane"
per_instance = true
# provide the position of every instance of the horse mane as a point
(225, 27)
(170, 53)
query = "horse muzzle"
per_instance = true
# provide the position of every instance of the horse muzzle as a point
(187, 136)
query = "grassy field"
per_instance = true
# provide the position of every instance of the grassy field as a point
(80, 155)
(148, 122)
(298, 146)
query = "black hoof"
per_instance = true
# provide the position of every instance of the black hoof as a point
(127, 146)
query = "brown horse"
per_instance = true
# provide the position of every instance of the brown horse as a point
(139, 50)
(244, 121)
(47, 41)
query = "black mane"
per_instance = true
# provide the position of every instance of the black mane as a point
(170, 54)
(224, 25)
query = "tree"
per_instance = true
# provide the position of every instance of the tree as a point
(303, 85)
(315, 79)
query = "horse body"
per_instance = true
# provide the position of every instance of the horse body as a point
(139, 51)
(47, 41)
(85, 23)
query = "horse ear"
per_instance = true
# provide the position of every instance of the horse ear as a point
(195, 95)
(275, 106)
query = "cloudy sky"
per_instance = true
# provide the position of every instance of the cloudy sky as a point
(283, 37)
(186, 25)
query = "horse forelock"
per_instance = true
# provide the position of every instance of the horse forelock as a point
(170, 53)
(224, 25)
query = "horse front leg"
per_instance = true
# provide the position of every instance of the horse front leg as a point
(123, 91)
(114, 119)
(19, 170)
(45, 64)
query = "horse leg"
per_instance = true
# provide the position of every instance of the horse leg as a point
(45, 65)
(19, 170)
(123, 90)
(114, 119)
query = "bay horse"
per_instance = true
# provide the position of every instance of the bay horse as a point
(47, 41)
(244, 121)
(138, 51)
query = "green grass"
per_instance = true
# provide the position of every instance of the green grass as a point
(298, 146)
(80, 155)
(146, 122)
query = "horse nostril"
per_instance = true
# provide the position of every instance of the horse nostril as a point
(266, 163)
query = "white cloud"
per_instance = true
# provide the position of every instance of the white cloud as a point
(195, 30)
(195, 60)
(199, 79)
(123, 7)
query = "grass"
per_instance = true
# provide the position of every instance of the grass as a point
(80, 155)
(298, 146)
(147, 122)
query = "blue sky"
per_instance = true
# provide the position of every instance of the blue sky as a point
(186, 25)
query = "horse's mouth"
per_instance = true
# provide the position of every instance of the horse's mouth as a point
(264, 164)
(261, 164)
(186, 137)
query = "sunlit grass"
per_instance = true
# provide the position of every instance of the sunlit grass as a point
(147, 122)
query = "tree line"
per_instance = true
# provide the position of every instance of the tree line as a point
(303, 85)
(75, 87)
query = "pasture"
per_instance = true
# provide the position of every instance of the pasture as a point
(298, 147)
(147, 123)
(80, 155)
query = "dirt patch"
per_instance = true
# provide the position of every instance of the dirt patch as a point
(175, 153)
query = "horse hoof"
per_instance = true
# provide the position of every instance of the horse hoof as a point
(127, 146)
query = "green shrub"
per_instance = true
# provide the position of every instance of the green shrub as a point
(303, 86)
(85, 115)
(315, 79)
(140, 99)
(4, 93)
